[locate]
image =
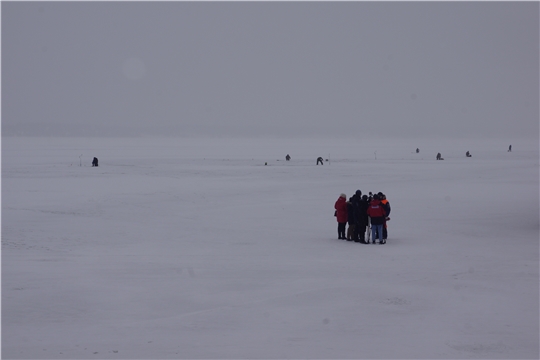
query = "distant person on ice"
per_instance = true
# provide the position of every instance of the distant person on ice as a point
(377, 215)
(320, 160)
(287, 157)
(439, 157)
(417, 150)
(386, 205)
(510, 148)
(468, 154)
(351, 219)
(362, 219)
(341, 215)
(95, 162)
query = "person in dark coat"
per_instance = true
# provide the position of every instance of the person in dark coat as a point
(95, 162)
(351, 230)
(438, 156)
(377, 215)
(320, 160)
(510, 148)
(341, 215)
(468, 154)
(288, 157)
(362, 219)
(356, 198)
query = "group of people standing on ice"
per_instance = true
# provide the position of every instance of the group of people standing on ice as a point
(363, 212)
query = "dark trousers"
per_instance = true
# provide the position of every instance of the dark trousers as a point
(341, 230)
(351, 232)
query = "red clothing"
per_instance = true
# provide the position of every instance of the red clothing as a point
(376, 212)
(341, 208)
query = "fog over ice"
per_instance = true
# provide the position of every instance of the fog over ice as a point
(281, 69)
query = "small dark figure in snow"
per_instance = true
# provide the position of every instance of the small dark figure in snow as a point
(439, 156)
(417, 150)
(320, 160)
(468, 154)
(287, 157)
(95, 162)
(510, 148)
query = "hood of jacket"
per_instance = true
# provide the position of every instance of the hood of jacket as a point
(375, 202)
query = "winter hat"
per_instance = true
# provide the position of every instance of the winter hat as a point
(376, 197)
(358, 192)
(364, 197)
(343, 196)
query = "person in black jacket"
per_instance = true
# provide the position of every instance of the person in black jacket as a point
(351, 231)
(355, 199)
(362, 219)
(95, 162)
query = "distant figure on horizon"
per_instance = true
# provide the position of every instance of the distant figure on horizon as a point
(468, 154)
(287, 157)
(95, 162)
(417, 150)
(320, 160)
(439, 156)
(510, 148)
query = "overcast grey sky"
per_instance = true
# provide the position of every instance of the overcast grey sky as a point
(418, 69)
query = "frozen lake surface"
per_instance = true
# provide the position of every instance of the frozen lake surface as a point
(195, 249)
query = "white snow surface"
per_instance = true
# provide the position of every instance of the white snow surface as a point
(195, 249)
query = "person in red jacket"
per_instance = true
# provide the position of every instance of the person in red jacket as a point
(378, 215)
(341, 215)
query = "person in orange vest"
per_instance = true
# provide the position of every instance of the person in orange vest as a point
(387, 208)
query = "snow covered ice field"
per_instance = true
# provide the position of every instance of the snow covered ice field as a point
(194, 249)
